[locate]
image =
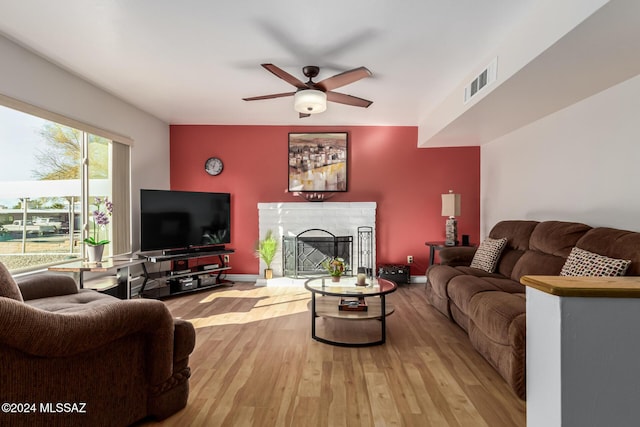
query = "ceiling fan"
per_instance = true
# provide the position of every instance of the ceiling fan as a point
(311, 97)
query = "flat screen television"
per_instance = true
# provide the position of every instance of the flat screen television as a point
(183, 221)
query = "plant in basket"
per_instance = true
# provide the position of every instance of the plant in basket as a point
(336, 267)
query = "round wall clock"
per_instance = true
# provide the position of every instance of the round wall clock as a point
(213, 166)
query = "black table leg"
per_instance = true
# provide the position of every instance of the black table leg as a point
(313, 315)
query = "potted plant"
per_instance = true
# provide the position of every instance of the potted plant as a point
(266, 251)
(95, 245)
(335, 267)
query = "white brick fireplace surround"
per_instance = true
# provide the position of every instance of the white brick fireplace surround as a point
(338, 218)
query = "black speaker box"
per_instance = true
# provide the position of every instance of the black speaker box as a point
(395, 273)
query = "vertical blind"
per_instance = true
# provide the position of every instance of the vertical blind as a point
(121, 197)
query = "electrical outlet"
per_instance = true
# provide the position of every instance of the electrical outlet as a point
(409, 259)
(226, 259)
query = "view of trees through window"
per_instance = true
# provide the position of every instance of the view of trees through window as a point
(46, 192)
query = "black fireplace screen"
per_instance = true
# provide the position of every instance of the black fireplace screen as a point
(303, 254)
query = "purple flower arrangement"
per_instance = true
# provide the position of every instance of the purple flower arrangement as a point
(100, 221)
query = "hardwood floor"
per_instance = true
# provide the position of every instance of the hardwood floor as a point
(255, 364)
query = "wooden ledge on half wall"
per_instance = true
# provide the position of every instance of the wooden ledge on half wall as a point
(573, 286)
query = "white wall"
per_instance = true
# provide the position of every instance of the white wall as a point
(579, 164)
(29, 78)
(582, 360)
(525, 42)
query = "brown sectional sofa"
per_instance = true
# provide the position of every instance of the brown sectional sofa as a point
(117, 361)
(491, 307)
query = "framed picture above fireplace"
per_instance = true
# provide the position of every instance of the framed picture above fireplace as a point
(318, 162)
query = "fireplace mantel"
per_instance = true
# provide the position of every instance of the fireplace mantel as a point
(339, 218)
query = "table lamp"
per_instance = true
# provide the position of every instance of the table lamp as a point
(451, 208)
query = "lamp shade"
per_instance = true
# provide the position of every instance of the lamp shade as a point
(451, 204)
(310, 101)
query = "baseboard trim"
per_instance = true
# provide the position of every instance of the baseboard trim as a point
(261, 281)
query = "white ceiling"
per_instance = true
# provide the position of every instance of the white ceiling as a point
(192, 61)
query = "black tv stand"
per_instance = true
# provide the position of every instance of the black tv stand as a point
(188, 272)
(193, 250)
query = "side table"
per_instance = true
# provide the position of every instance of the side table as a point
(437, 246)
(121, 280)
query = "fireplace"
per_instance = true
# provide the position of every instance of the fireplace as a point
(305, 253)
(355, 221)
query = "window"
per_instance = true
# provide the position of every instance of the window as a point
(50, 176)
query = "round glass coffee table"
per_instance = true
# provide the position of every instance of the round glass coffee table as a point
(346, 301)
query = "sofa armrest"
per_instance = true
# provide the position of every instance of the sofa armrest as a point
(457, 255)
(45, 285)
(57, 335)
(184, 339)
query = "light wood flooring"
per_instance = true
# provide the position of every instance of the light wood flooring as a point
(255, 364)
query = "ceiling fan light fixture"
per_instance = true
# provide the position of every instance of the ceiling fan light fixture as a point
(310, 101)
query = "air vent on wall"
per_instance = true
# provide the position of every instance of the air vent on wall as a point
(484, 79)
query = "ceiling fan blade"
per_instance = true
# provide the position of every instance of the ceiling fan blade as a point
(343, 79)
(275, 95)
(341, 98)
(303, 115)
(285, 76)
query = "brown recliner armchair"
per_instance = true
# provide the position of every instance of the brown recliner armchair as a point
(78, 357)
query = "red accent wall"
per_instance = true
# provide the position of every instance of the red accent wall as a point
(385, 166)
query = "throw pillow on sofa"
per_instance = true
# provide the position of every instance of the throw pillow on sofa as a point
(488, 253)
(585, 263)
